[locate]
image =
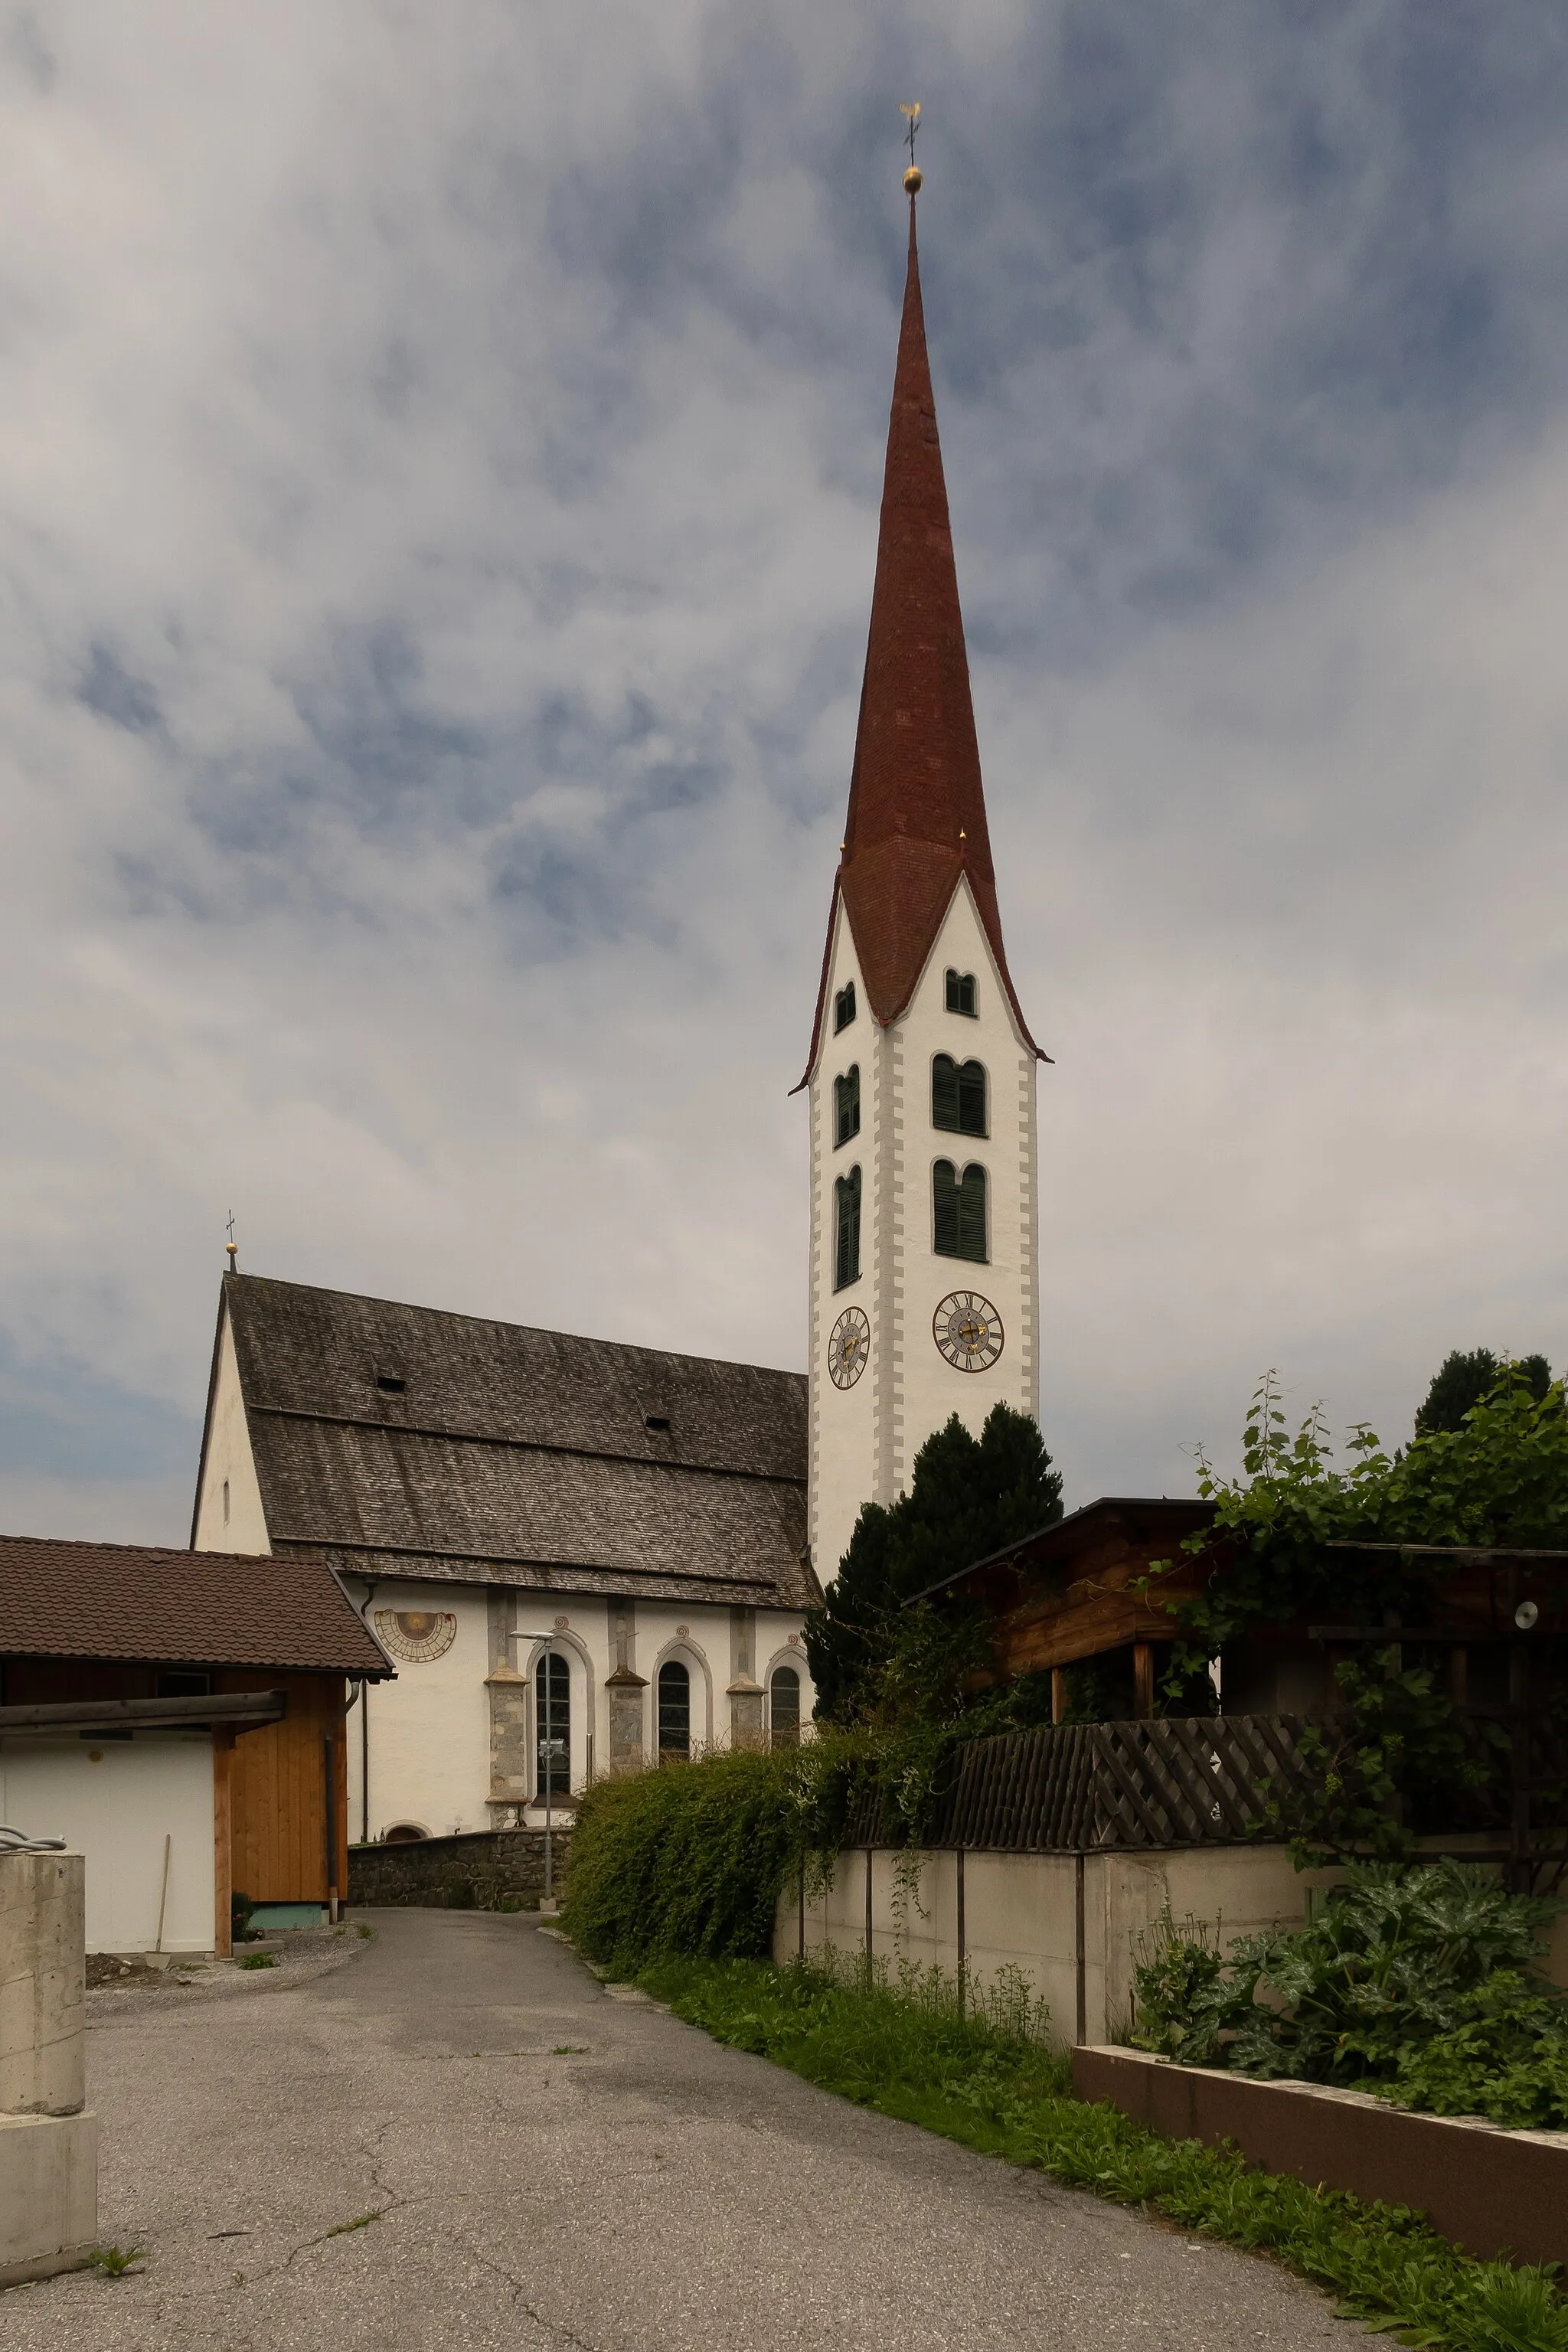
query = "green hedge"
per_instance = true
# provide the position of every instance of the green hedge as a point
(689, 1858)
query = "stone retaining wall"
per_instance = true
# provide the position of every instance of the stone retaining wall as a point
(479, 1870)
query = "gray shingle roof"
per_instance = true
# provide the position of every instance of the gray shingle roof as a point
(68, 1600)
(513, 1455)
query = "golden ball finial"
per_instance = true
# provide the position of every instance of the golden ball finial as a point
(914, 180)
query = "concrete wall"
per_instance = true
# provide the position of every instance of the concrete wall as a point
(115, 1801)
(43, 2014)
(865, 1438)
(48, 2144)
(1021, 1911)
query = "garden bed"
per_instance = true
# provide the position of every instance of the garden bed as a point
(1490, 2190)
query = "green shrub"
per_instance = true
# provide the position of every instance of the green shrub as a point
(687, 1858)
(905, 2048)
(1415, 1981)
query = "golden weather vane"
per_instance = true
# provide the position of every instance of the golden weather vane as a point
(914, 178)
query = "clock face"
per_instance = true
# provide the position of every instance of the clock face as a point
(848, 1346)
(968, 1331)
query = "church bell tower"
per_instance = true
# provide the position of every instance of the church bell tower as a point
(924, 1275)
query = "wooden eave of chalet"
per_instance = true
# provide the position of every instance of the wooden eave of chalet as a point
(1063, 1594)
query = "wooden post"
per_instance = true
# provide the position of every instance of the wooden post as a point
(330, 1781)
(1058, 1695)
(1143, 1680)
(223, 1844)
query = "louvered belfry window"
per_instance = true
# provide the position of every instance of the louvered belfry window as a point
(958, 1096)
(844, 1007)
(960, 993)
(847, 1230)
(958, 1212)
(847, 1105)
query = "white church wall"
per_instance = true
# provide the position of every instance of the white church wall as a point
(865, 1439)
(229, 1516)
(429, 1731)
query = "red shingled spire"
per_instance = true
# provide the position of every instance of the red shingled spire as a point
(917, 808)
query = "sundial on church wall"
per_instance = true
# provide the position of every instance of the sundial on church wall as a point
(416, 1635)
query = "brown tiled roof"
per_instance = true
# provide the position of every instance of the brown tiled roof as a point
(68, 1600)
(513, 1455)
(917, 808)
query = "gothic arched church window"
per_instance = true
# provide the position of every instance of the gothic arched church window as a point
(783, 1693)
(552, 1723)
(847, 1105)
(844, 1007)
(958, 1096)
(960, 988)
(674, 1709)
(958, 1212)
(847, 1230)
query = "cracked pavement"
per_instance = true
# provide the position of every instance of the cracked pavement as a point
(641, 2188)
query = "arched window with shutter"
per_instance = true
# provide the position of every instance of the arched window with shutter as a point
(958, 1096)
(847, 1230)
(958, 1212)
(783, 1706)
(674, 1709)
(960, 994)
(844, 1007)
(847, 1105)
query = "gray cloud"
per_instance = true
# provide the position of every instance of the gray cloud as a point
(439, 496)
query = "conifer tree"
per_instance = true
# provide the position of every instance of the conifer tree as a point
(968, 1497)
(1463, 1379)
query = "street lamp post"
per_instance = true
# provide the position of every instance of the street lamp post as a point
(548, 1751)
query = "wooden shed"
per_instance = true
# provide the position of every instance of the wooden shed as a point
(1065, 1594)
(180, 1717)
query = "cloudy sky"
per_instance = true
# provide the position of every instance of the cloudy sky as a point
(439, 455)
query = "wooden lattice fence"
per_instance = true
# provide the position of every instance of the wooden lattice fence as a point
(1084, 1788)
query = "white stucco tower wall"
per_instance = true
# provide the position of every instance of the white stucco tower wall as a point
(864, 1438)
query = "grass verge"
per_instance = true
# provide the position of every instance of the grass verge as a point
(987, 2082)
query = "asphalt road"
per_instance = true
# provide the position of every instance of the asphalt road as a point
(553, 2166)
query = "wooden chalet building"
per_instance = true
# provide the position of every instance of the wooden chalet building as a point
(1069, 1596)
(179, 1718)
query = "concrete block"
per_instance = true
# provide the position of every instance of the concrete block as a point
(43, 1913)
(48, 2194)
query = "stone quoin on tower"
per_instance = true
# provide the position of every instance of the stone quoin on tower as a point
(921, 1078)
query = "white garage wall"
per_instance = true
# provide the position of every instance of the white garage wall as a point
(115, 1802)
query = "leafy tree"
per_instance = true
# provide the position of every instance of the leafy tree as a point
(968, 1498)
(1501, 1477)
(1464, 1380)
